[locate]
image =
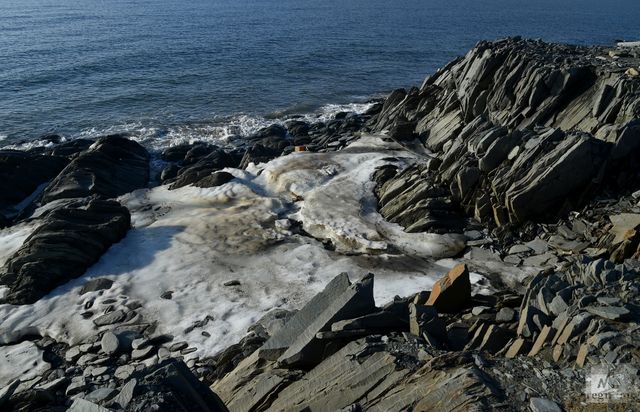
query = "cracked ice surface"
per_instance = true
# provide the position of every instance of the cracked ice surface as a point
(190, 241)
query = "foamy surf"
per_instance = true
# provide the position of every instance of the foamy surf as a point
(224, 131)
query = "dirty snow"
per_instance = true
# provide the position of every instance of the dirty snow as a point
(190, 241)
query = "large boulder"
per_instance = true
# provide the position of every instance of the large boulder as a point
(111, 167)
(266, 144)
(202, 173)
(69, 240)
(197, 164)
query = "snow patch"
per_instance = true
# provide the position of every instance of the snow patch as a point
(23, 361)
(190, 241)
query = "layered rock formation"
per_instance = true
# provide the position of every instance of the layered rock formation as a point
(522, 129)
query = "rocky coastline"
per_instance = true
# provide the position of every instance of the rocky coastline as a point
(471, 244)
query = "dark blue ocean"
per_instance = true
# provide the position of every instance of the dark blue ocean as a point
(172, 69)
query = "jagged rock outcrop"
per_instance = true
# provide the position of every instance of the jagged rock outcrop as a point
(519, 130)
(370, 374)
(352, 364)
(111, 167)
(455, 360)
(411, 199)
(69, 240)
(302, 342)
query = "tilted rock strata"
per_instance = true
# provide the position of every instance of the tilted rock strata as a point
(521, 129)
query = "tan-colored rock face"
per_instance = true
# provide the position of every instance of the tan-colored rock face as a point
(453, 291)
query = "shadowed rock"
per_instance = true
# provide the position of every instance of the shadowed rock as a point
(21, 173)
(452, 292)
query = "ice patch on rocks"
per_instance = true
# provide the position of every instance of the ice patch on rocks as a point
(191, 241)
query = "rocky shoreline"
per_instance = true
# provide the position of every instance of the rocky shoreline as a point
(499, 203)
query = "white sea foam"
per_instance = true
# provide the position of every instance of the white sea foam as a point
(225, 131)
(190, 241)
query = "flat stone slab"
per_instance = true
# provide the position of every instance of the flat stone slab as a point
(610, 312)
(356, 300)
(280, 342)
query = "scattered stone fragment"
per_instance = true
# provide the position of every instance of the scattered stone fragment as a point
(86, 359)
(505, 315)
(101, 370)
(545, 336)
(608, 300)
(126, 394)
(178, 346)
(101, 395)
(519, 249)
(610, 312)
(110, 343)
(110, 318)
(557, 305)
(95, 284)
(142, 352)
(163, 353)
(139, 343)
(82, 405)
(123, 372)
(76, 386)
(478, 310)
(55, 384)
(582, 354)
(543, 405)
(518, 347)
(72, 354)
